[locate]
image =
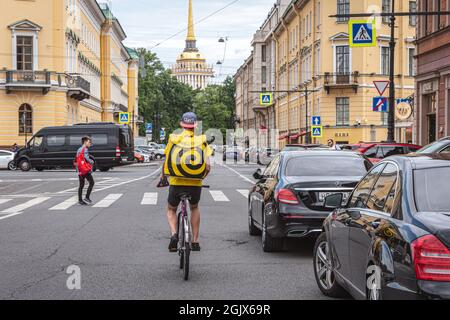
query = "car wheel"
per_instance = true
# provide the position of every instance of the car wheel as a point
(269, 244)
(323, 270)
(25, 165)
(12, 166)
(40, 169)
(252, 229)
(104, 169)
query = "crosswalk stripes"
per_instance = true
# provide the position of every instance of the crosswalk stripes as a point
(150, 198)
(26, 205)
(108, 201)
(65, 205)
(219, 196)
(244, 192)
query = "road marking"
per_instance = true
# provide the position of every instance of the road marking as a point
(108, 201)
(240, 175)
(150, 198)
(218, 196)
(26, 205)
(243, 192)
(65, 205)
(2, 201)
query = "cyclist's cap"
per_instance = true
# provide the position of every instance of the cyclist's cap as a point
(189, 120)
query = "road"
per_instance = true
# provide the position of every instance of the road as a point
(120, 244)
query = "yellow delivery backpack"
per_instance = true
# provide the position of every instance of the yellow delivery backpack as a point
(186, 157)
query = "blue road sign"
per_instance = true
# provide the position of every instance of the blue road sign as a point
(149, 126)
(380, 104)
(124, 117)
(317, 121)
(317, 132)
(162, 134)
(363, 33)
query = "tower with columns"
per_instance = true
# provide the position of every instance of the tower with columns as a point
(191, 67)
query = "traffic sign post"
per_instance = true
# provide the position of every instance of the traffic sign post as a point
(149, 128)
(162, 135)
(317, 132)
(362, 33)
(124, 118)
(316, 121)
(266, 99)
(381, 86)
(380, 104)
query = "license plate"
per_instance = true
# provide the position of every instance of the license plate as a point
(323, 195)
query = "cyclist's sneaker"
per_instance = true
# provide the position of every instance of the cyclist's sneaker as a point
(195, 246)
(173, 246)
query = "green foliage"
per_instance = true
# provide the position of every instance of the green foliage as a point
(163, 100)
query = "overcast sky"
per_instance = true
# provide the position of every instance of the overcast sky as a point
(150, 22)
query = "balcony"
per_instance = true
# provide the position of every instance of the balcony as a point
(28, 81)
(79, 88)
(341, 81)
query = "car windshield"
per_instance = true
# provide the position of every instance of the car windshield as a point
(433, 147)
(333, 166)
(431, 189)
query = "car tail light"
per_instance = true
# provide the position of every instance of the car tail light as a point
(431, 259)
(286, 196)
(118, 152)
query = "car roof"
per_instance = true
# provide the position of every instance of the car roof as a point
(422, 161)
(321, 152)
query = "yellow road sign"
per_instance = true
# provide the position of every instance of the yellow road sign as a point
(124, 118)
(266, 99)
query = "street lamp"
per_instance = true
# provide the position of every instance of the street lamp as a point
(220, 63)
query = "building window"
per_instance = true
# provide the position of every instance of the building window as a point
(263, 53)
(318, 15)
(263, 74)
(386, 8)
(342, 111)
(413, 8)
(343, 59)
(343, 7)
(437, 18)
(25, 53)
(25, 119)
(411, 72)
(384, 61)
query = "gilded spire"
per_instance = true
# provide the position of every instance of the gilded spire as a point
(191, 33)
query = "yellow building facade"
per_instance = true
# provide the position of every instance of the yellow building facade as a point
(313, 53)
(62, 62)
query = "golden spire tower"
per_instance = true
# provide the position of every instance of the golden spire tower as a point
(191, 67)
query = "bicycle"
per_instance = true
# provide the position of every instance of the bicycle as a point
(185, 234)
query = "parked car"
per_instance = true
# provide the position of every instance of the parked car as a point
(232, 153)
(377, 151)
(441, 146)
(251, 155)
(139, 157)
(265, 155)
(56, 147)
(147, 152)
(157, 151)
(288, 199)
(7, 160)
(395, 226)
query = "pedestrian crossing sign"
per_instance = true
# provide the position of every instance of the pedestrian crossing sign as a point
(362, 33)
(124, 118)
(317, 132)
(266, 99)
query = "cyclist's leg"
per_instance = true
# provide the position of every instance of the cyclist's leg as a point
(195, 193)
(172, 206)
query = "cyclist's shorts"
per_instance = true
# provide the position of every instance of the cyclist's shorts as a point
(175, 193)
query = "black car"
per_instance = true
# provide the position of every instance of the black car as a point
(392, 239)
(288, 199)
(441, 146)
(56, 147)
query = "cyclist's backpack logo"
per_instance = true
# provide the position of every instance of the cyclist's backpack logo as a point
(187, 158)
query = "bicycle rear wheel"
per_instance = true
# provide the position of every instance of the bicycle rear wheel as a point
(187, 245)
(181, 240)
(187, 253)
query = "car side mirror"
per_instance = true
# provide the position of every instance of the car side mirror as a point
(258, 175)
(334, 201)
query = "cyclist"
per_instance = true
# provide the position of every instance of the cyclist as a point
(179, 186)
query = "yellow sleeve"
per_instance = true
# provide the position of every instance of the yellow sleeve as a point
(168, 147)
(208, 151)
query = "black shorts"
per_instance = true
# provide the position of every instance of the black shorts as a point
(175, 193)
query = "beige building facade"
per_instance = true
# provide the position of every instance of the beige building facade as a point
(317, 73)
(62, 66)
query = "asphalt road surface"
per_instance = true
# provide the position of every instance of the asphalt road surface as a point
(120, 243)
